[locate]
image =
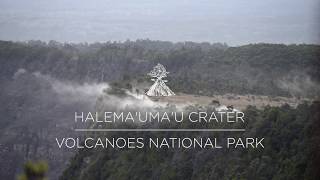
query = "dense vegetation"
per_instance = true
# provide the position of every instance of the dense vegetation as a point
(291, 152)
(34, 171)
(35, 106)
(201, 68)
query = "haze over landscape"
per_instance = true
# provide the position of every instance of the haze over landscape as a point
(234, 22)
(63, 57)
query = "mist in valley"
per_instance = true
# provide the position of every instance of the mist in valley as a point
(60, 57)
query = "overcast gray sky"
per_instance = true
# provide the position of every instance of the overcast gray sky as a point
(235, 22)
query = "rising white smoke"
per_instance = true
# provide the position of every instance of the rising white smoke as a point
(299, 84)
(87, 93)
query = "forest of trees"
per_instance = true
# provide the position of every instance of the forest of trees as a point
(291, 152)
(196, 68)
(32, 74)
